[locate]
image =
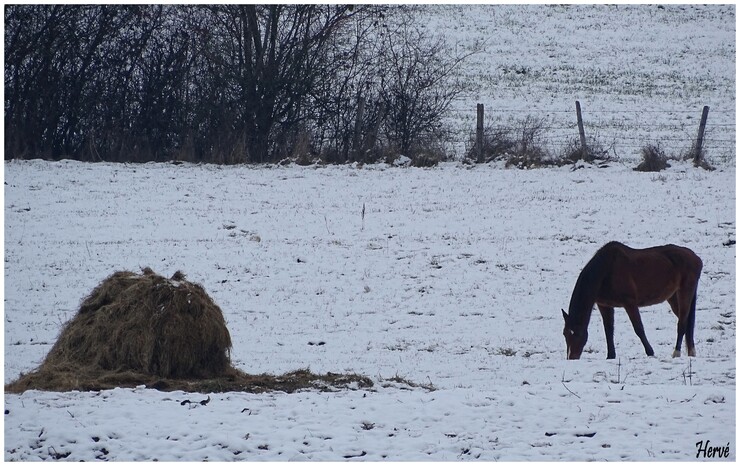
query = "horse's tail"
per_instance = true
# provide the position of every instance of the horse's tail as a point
(692, 312)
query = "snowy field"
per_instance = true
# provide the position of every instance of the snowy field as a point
(453, 279)
(641, 73)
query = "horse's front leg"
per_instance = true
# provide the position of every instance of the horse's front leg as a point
(634, 313)
(607, 316)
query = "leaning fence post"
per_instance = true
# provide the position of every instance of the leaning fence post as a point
(700, 136)
(581, 131)
(479, 134)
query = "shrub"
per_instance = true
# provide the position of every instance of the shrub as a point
(653, 159)
(426, 159)
(529, 151)
(430, 150)
(521, 146)
(698, 157)
(497, 145)
(595, 152)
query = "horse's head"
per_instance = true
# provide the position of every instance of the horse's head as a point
(575, 338)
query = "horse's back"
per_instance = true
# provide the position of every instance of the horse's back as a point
(679, 256)
(646, 276)
(684, 258)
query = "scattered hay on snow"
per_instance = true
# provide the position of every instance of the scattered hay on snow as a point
(145, 329)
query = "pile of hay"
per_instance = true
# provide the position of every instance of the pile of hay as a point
(145, 329)
(135, 325)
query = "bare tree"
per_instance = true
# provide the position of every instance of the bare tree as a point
(223, 83)
(50, 63)
(69, 73)
(419, 84)
(349, 75)
(274, 56)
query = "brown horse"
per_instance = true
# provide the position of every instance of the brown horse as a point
(619, 276)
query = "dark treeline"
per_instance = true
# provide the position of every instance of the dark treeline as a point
(222, 83)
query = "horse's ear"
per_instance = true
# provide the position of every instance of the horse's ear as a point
(565, 316)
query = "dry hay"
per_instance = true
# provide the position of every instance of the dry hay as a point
(145, 329)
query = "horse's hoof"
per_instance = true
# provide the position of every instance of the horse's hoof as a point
(676, 353)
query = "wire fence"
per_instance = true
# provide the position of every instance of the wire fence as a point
(623, 132)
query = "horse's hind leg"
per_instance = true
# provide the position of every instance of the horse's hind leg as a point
(683, 305)
(607, 316)
(681, 330)
(634, 313)
(673, 301)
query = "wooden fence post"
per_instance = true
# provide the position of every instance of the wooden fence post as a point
(479, 134)
(581, 132)
(358, 128)
(700, 136)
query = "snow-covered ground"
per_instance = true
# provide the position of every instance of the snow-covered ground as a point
(453, 278)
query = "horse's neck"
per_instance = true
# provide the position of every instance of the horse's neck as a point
(581, 306)
(585, 292)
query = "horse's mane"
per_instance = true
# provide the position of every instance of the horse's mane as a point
(587, 286)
